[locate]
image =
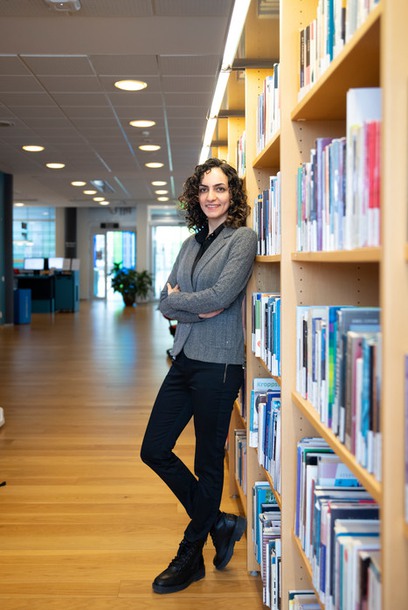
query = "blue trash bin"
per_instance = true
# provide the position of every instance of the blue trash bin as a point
(22, 306)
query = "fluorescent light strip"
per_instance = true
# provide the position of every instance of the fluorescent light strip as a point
(236, 26)
(219, 93)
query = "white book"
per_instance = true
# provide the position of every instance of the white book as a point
(362, 105)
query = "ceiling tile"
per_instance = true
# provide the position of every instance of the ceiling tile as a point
(58, 65)
(12, 64)
(81, 99)
(125, 65)
(17, 84)
(192, 8)
(71, 84)
(189, 65)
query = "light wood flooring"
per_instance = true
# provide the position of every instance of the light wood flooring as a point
(84, 524)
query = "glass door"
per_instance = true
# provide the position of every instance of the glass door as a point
(166, 243)
(109, 247)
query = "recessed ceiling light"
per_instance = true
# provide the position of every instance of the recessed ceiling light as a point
(154, 164)
(98, 198)
(162, 198)
(142, 124)
(33, 148)
(131, 85)
(159, 183)
(19, 204)
(89, 192)
(55, 165)
(161, 192)
(104, 202)
(149, 147)
(78, 183)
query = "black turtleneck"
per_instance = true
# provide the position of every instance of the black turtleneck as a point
(205, 240)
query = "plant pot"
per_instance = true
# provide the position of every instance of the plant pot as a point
(129, 299)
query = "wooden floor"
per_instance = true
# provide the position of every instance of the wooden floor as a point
(84, 524)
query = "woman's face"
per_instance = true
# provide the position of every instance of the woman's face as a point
(214, 197)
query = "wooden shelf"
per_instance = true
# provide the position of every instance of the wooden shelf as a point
(368, 480)
(307, 566)
(358, 255)
(242, 497)
(275, 493)
(270, 156)
(357, 65)
(264, 366)
(268, 259)
(237, 410)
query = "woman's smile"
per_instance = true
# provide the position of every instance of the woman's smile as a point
(214, 197)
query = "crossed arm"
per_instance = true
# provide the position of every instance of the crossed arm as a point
(210, 314)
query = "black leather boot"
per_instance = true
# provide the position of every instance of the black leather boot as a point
(187, 567)
(225, 532)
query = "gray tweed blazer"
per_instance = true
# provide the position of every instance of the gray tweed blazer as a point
(219, 281)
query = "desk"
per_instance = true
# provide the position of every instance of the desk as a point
(55, 292)
(42, 291)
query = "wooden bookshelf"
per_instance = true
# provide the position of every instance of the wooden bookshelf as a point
(237, 423)
(272, 485)
(368, 480)
(357, 65)
(358, 255)
(375, 56)
(242, 497)
(307, 567)
(270, 156)
(275, 258)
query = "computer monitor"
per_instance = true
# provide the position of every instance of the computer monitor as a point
(34, 264)
(56, 262)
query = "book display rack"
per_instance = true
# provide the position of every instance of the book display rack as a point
(368, 49)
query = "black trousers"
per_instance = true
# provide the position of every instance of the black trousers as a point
(205, 392)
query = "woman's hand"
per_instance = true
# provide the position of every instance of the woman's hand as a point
(210, 314)
(170, 290)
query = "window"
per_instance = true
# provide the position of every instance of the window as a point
(33, 233)
(168, 231)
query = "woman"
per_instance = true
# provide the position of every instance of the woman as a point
(204, 293)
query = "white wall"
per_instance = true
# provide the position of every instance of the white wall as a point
(89, 220)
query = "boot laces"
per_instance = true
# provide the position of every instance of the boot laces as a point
(185, 553)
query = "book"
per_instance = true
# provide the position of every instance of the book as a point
(258, 398)
(319, 557)
(348, 535)
(261, 494)
(364, 105)
(359, 319)
(357, 509)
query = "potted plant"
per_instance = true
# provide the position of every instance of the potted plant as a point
(131, 284)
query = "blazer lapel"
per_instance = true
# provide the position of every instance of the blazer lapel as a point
(213, 249)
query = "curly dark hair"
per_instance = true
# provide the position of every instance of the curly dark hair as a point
(189, 202)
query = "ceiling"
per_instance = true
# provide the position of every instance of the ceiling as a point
(57, 74)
